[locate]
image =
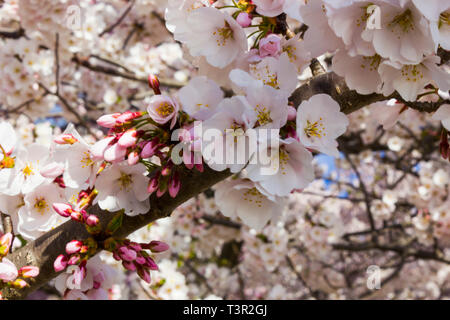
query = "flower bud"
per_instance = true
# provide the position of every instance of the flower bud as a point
(174, 185)
(140, 260)
(151, 264)
(65, 138)
(99, 148)
(108, 120)
(115, 153)
(129, 265)
(150, 149)
(153, 184)
(144, 274)
(73, 246)
(244, 19)
(74, 259)
(29, 272)
(158, 246)
(5, 243)
(133, 158)
(60, 263)
(63, 209)
(92, 220)
(19, 284)
(77, 216)
(127, 254)
(153, 83)
(128, 139)
(128, 116)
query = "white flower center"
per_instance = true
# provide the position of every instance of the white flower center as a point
(223, 34)
(315, 129)
(86, 161)
(412, 73)
(254, 196)
(263, 115)
(41, 205)
(125, 181)
(28, 170)
(404, 20)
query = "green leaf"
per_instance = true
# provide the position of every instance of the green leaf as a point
(115, 223)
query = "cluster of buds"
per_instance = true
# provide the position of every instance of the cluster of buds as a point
(122, 139)
(166, 179)
(8, 271)
(78, 212)
(77, 253)
(133, 255)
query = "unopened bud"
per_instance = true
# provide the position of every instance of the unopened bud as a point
(65, 138)
(153, 83)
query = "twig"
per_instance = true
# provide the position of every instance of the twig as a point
(118, 21)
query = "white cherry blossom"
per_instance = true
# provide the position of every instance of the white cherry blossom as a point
(320, 122)
(121, 186)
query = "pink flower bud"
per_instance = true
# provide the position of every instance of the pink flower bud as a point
(76, 216)
(135, 246)
(140, 260)
(128, 139)
(161, 192)
(158, 246)
(133, 158)
(153, 83)
(166, 170)
(63, 209)
(144, 275)
(5, 243)
(153, 184)
(244, 19)
(128, 116)
(29, 272)
(129, 265)
(74, 259)
(150, 149)
(98, 149)
(270, 46)
(108, 120)
(65, 138)
(292, 113)
(115, 153)
(151, 264)
(116, 256)
(73, 246)
(174, 185)
(127, 254)
(52, 170)
(60, 263)
(92, 220)
(19, 283)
